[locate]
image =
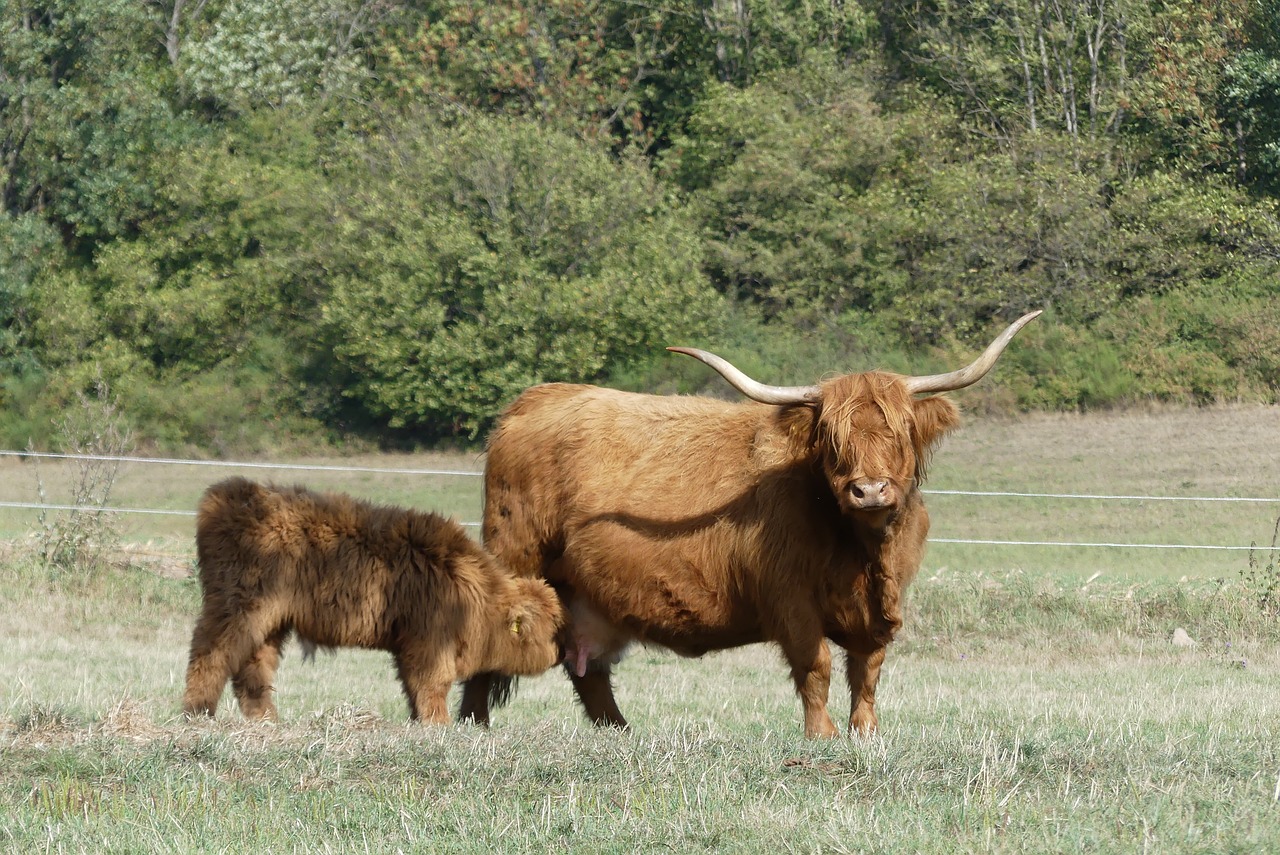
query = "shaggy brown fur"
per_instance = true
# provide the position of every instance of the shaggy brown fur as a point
(342, 572)
(700, 525)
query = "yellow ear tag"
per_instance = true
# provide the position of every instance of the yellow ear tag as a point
(515, 626)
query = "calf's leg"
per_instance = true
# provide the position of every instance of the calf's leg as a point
(254, 683)
(426, 676)
(218, 647)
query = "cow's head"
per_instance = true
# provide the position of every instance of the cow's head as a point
(524, 634)
(870, 433)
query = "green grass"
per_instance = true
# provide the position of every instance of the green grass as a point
(958, 777)
(1019, 713)
(178, 488)
(1216, 452)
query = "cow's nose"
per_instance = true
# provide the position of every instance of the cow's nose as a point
(867, 494)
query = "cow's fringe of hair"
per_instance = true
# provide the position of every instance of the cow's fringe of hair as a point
(502, 689)
(842, 400)
(890, 605)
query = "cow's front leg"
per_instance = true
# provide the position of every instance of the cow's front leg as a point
(474, 708)
(864, 675)
(810, 661)
(595, 691)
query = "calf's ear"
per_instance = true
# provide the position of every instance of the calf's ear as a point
(515, 619)
(935, 417)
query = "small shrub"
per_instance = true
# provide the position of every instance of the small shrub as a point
(1262, 580)
(74, 545)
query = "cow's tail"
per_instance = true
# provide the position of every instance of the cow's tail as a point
(502, 689)
(481, 693)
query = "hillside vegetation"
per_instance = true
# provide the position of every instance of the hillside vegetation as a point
(261, 223)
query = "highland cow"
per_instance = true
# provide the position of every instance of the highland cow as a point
(340, 572)
(700, 525)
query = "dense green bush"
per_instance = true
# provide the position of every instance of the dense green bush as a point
(470, 261)
(1220, 341)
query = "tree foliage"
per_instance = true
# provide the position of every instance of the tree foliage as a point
(390, 216)
(505, 255)
(275, 53)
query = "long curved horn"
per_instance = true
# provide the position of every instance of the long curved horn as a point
(753, 389)
(976, 370)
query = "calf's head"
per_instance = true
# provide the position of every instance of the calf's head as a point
(525, 620)
(870, 433)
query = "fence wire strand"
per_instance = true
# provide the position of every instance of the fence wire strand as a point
(173, 461)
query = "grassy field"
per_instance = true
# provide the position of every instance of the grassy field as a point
(1026, 707)
(1226, 452)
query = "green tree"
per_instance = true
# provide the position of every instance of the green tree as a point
(1251, 106)
(83, 117)
(276, 53)
(593, 67)
(182, 317)
(1024, 66)
(28, 248)
(469, 262)
(218, 261)
(608, 69)
(775, 171)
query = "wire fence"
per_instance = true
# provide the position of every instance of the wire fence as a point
(225, 464)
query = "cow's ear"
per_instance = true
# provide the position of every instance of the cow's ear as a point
(519, 617)
(935, 417)
(799, 425)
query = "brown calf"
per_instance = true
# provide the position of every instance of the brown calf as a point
(343, 572)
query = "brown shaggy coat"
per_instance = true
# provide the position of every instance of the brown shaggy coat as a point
(343, 572)
(700, 525)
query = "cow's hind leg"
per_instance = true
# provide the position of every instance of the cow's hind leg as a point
(864, 675)
(254, 682)
(595, 691)
(474, 707)
(810, 661)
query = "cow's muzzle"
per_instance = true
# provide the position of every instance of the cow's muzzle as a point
(866, 494)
